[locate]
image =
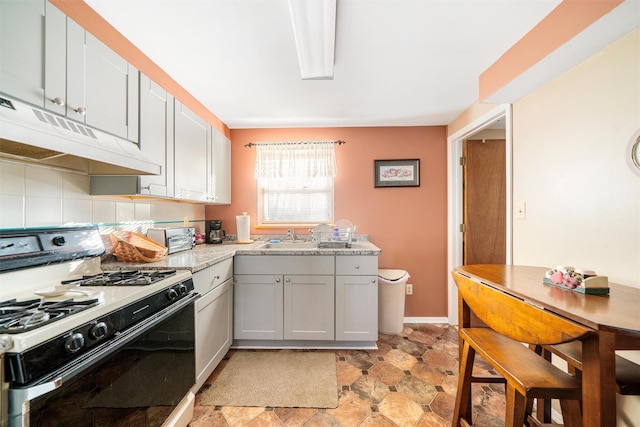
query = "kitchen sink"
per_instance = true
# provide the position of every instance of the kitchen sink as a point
(295, 244)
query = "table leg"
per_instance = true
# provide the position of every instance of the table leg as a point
(598, 380)
(464, 319)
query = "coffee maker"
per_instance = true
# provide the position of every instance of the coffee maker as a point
(214, 232)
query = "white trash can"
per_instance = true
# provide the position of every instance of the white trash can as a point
(391, 291)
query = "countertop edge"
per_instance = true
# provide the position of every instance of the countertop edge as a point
(207, 255)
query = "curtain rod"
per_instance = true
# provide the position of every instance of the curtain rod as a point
(253, 144)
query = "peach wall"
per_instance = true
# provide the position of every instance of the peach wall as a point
(408, 224)
(567, 20)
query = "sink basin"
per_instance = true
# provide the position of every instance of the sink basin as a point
(289, 245)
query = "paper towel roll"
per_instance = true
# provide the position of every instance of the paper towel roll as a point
(243, 224)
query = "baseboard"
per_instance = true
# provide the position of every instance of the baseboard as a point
(426, 320)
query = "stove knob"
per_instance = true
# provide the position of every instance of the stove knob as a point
(182, 289)
(74, 343)
(59, 241)
(98, 331)
(172, 294)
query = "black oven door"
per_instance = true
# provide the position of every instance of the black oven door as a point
(136, 379)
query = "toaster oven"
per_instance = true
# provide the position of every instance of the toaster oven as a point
(176, 239)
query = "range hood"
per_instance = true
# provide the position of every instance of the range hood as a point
(39, 136)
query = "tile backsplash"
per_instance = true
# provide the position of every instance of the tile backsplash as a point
(36, 196)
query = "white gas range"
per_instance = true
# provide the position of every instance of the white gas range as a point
(64, 323)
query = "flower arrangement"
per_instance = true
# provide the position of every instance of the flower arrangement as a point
(579, 280)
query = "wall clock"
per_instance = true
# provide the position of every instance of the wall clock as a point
(635, 153)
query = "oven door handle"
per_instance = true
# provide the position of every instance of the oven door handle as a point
(27, 394)
(18, 397)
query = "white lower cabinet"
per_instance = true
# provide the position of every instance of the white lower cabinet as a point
(356, 298)
(258, 307)
(283, 297)
(308, 307)
(319, 298)
(214, 317)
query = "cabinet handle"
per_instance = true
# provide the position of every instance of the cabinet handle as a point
(58, 101)
(288, 279)
(81, 110)
(277, 280)
(373, 280)
(357, 267)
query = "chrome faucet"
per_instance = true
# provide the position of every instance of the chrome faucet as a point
(291, 234)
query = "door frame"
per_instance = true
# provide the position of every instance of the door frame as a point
(455, 192)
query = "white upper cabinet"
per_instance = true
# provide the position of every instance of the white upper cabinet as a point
(156, 144)
(156, 137)
(55, 59)
(48, 60)
(22, 27)
(99, 83)
(192, 142)
(202, 159)
(220, 175)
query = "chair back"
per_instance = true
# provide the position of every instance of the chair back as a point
(514, 317)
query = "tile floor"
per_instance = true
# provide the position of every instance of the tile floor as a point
(410, 380)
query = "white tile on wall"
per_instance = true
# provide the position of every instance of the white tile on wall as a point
(179, 211)
(43, 182)
(12, 177)
(76, 211)
(125, 212)
(103, 211)
(142, 212)
(161, 211)
(12, 212)
(43, 211)
(75, 185)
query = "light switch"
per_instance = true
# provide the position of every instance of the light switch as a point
(521, 210)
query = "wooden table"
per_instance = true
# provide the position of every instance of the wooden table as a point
(615, 318)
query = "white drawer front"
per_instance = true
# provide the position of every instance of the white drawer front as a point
(356, 265)
(284, 264)
(207, 279)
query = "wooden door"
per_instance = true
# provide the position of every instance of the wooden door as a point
(484, 206)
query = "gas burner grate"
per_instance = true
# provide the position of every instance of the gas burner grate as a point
(22, 316)
(122, 278)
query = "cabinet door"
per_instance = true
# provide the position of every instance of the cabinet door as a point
(99, 84)
(156, 136)
(192, 137)
(356, 308)
(220, 176)
(257, 307)
(22, 27)
(308, 307)
(55, 60)
(214, 329)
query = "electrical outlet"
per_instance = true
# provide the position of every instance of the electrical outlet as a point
(409, 289)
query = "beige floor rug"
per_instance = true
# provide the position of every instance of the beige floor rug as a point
(278, 379)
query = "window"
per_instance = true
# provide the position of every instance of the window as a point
(295, 182)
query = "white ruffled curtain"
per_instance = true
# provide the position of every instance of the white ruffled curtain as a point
(295, 159)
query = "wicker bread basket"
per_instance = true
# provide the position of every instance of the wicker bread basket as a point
(128, 246)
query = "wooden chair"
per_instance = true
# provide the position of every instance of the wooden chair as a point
(510, 323)
(627, 374)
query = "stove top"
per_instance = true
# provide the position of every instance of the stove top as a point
(21, 316)
(122, 278)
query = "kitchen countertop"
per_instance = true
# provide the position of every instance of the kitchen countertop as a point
(203, 256)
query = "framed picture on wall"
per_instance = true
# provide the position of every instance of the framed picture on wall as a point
(397, 173)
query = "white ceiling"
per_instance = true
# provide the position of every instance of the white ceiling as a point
(397, 62)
